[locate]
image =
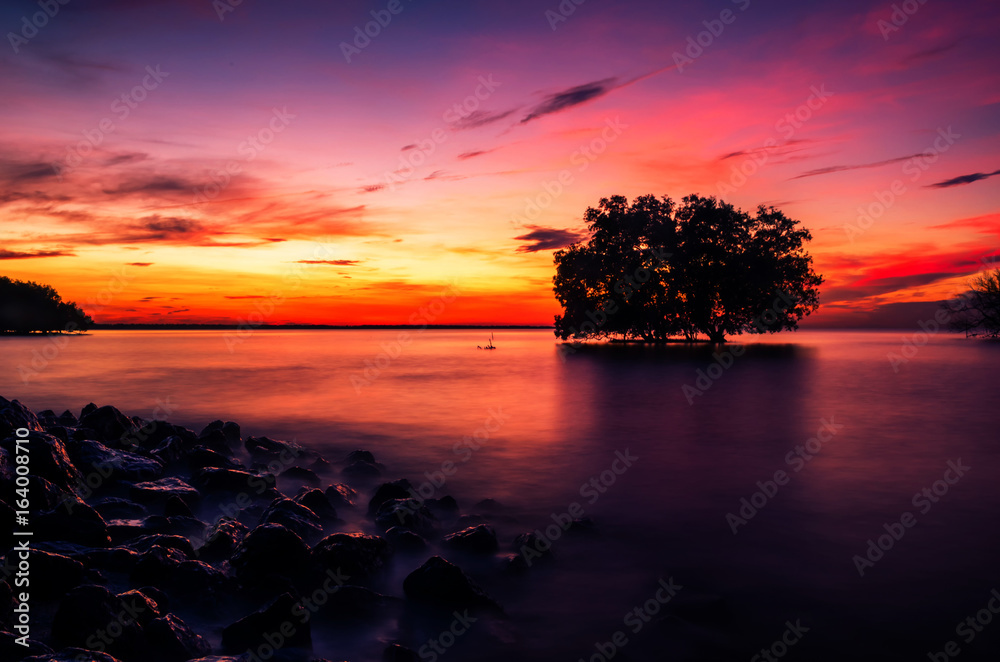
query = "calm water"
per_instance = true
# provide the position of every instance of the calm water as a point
(565, 416)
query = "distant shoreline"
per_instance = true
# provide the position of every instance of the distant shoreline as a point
(212, 327)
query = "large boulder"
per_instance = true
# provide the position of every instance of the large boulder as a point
(14, 415)
(316, 501)
(222, 540)
(95, 459)
(49, 459)
(407, 513)
(268, 550)
(90, 614)
(53, 574)
(158, 491)
(294, 516)
(480, 539)
(356, 555)
(110, 425)
(281, 617)
(73, 522)
(442, 583)
(397, 489)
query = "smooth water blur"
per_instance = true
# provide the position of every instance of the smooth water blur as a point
(566, 414)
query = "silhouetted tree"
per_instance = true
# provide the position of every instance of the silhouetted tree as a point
(27, 307)
(977, 312)
(654, 270)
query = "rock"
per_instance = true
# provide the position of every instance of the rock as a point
(117, 559)
(158, 491)
(531, 548)
(397, 653)
(223, 539)
(78, 524)
(404, 540)
(294, 516)
(177, 525)
(14, 415)
(446, 506)
(357, 555)
(116, 508)
(264, 448)
(168, 450)
(300, 474)
(316, 501)
(354, 603)
(146, 543)
(196, 578)
(94, 458)
(92, 613)
(407, 513)
(270, 549)
(49, 459)
(110, 424)
(361, 471)
(397, 489)
(441, 583)
(171, 640)
(53, 574)
(235, 482)
(360, 456)
(175, 507)
(341, 496)
(282, 615)
(11, 650)
(46, 495)
(481, 539)
(217, 442)
(156, 567)
(201, 457)
(143, 607)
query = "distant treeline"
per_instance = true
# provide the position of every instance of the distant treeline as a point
(195, 327)
(27, 307)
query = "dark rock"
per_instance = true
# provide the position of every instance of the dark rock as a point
(266, 448)
(158, 491)
(357, 555)
(270, 549)
(95, 459)
(13, 651)
(177, 525)
(117, 508)
(360, 456)
(201, 457)
(88, 408)
(216, 441)
(404, 540)
(110, 424)
(481, 539)
(90, 611)
(531, 548)
(341, 495)
(294, 516)
(397, 653)
(156, 567)
(361, 471)
(46, 495)
(53, 574)
(397, 489)
(407, 513)
(235, 482)
(444, 584)
(316, 501)
(49, 459)
(282, 615)
(117, 559)
(354, 603)
(72, 655)
(223, 539)
(176, 507)
(300, 474)
(446, 506)
(14, 415)
(168, 450)
(78, 524)
(146, 543)
(232, 433)
(196, 578)
(143, 607)
(171, 640)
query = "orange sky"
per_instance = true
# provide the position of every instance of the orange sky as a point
(463, 144)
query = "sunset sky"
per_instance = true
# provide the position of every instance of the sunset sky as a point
(461, 145)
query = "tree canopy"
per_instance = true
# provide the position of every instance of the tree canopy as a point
(27, 307)
(654, 270)
(977, 312)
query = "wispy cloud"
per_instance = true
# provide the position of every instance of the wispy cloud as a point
(964, 179)
(574, 96)
(547, 239)
(20, 255)
(860, 166)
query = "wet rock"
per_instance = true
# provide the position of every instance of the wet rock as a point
(316, 501)
(158, 491)
(91, 613)
(196, 578)
(341, 495)
(171, 640)
(72, 655)
(110, 424)
(265, 449)
(360, 456)
(77, 524)
(280, 617)
(404, 540)
(397, 653)
(169, 450)
(216, 441)
(53, 574)
(294, 516)
(94, 458)
(111, 508)
(178, 525)
(117, 559)
(156, 567)
(407, 513)
(397, 489)
(301, 475)
(201, 457)
(176, 507)
(146, 543)
(270, 549)
(357, 555)
(46, 495)
(223, 539)
(444, 584)
(481, 539)
(235, 482)
(14, 415)
(49, 459)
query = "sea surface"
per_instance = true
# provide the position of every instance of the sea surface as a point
(888, 415)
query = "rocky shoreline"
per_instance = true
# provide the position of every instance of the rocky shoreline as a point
(146, 541)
